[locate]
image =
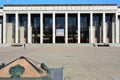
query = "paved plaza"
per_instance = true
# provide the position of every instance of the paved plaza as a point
(78, 62)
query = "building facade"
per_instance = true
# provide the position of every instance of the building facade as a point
(59, 23)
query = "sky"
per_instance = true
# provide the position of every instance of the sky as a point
(2, 2)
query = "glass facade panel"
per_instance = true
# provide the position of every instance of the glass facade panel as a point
(97, 28)
(84, 27)
(23, 22)
(110, 26)
(1, 20)
(60, 28)
(72, 28)
(47, 28)
(10, 18)
(35, 26)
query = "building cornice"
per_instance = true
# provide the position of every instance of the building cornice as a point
(60, 5)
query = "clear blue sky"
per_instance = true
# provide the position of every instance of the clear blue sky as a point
(2, 2)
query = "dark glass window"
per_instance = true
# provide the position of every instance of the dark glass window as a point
(98, 28)
(47, 28)
(10, 18)
(60, 28)
(72, 28)
(35, 26)
(23, 22)
(84, 27)
(110, 26)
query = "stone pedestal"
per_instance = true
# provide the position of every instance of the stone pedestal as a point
(22, 35)
(9, 33)
(0, 33)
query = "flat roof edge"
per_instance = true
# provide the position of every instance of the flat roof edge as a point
(60, 5)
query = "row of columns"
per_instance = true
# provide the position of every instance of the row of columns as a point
(91, 39)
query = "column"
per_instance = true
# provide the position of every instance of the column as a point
(9, 33)
(93, 32)
(113, 32)
(53, 28)
(91, 28)
(104, 29)
(66, 27)
(4, 28)
(78, 27)
(117, 27)
(29, 28)
(22, 35)
(0, 33)
(41, 28)
(16, 27)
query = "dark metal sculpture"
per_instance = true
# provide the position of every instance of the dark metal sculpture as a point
(16, 71)
(45, 67)
(2, 65)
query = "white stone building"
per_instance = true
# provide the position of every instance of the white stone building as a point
(60, 23)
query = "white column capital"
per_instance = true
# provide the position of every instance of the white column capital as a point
(104, 16)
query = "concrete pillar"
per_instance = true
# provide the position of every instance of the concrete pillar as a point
(0, 33)
(93, 32)
(53, 28)
(16, 28)
(91, 28)
(78, 27)
(9, 33)
(4, 28)
(29, 29)
(31, 33)
(22, 35)
(41, 28)
(113, 32)
(66, 27)
(104, 29)
(117, 27)
(101, 36)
